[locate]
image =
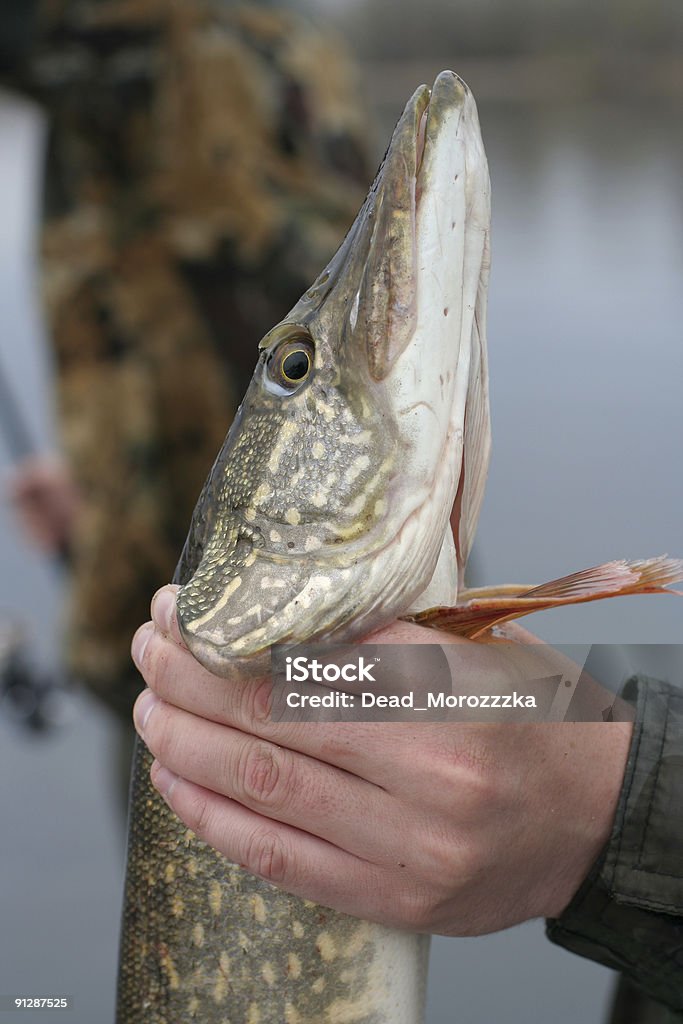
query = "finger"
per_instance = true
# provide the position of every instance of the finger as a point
(372, 750)
(367, 749)
(164, 616)
(295, 861)
(274, 781)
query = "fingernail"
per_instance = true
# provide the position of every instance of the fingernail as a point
(163, 609)
(144, 706)
(140, 641)
(162, 779)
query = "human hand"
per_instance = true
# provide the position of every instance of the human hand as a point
(46, 501)
(454, 828)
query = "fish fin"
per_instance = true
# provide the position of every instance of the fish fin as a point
(503, 590)
(490, 606)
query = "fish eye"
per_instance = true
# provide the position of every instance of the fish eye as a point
(296, 365)
(290, 364)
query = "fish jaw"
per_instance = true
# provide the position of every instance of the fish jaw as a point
(326, 513)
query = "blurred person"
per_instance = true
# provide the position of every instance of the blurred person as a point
(204, 159)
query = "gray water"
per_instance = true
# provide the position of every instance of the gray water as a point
(586, 369)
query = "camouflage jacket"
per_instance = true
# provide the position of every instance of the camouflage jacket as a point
(204, 161)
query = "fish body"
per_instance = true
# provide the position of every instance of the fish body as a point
(326, 516)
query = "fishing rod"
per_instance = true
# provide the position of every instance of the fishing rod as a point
(27, 693)
(14, 426)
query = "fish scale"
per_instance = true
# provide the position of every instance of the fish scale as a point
(209, 942)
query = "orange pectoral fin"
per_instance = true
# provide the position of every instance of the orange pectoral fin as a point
(489, 606)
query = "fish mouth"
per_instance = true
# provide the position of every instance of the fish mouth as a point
(394, 311)
(374, 273)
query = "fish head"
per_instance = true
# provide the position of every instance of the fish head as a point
(326, 513)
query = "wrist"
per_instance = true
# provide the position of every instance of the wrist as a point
(601, 761)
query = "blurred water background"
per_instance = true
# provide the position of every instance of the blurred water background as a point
(581, 111)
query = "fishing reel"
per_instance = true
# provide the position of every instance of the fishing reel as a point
(29, 696)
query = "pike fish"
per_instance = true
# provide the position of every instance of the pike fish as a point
(363, 436)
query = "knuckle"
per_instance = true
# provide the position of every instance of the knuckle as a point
(260, 702)
(417, 909)
(466, 781)
(265, 855)
(198, 816)
(259, 775)
(475, 800)
(463, 868)
(157, 735)
(154, 664)
(157, 666)
(440, 852)
(449, 859)
(246, 704)
(160, 736)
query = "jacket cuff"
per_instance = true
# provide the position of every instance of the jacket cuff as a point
(628, 914)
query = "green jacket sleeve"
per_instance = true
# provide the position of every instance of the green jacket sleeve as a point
(628, 914)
